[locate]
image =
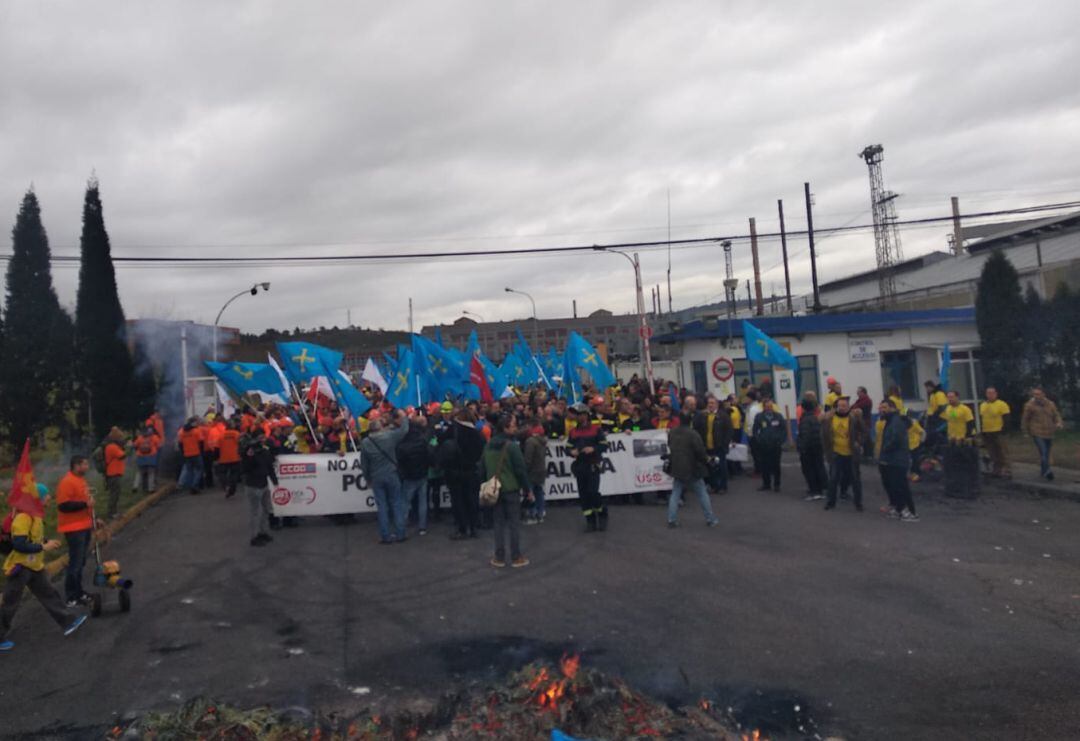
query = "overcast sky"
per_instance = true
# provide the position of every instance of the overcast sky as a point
(278, 128)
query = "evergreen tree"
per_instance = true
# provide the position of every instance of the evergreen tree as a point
(1000, 318)
(105, 365)
(37, 337)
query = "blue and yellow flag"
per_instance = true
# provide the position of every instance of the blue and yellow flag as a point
(303, 361)
(760, 348)
(243, 378)
(404, 385)
(581, 356)
(348, 397)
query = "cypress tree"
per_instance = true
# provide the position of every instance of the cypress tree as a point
(105, 364)
(37, 337)
(1000, 318)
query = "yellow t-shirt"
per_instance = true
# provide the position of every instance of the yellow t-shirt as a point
(708, 430)
(899, 404)
(34, 527)
(992, 414)
(914, 435)
(841, 430)
(956, 419)
(830, 399)
(736, 418)
(879, 428)
(937, 401)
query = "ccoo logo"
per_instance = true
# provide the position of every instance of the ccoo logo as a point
(295, 469)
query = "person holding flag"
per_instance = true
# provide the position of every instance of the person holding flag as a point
(24, 567)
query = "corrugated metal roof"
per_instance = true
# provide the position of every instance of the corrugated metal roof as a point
(823, 324)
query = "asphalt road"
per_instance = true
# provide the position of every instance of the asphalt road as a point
(961, 626)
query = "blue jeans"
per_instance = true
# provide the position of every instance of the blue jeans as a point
(698, 487)
(390, 504)
(1043, 445)
(78, 544)
(191, 473)
(414, 493)
(538, 508)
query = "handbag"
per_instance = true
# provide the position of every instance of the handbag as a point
(490, 489)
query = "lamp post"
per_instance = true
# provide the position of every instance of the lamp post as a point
(643, 324)
(536, 324)
(253, 291)
(466, 312)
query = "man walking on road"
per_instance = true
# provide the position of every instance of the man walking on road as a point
(841, 433)
(992, 413)
(75, 519)
(689, 466)
(894, 461)
(1041, 420)
(258, 467)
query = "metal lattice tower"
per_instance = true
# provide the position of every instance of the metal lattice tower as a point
(730, 284)
(886, 234)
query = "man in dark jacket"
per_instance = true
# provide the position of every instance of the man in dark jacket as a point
(258, 469)
(894, 461)
(535, 450)
(770, 434)
(812, 451)
(378, 458)
(689, 466)
(714, 426)
(458, 456)
(413, 457)
(587, 445)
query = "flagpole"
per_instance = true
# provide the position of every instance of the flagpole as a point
(303, 410)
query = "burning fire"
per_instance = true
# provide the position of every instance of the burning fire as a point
(550, 689)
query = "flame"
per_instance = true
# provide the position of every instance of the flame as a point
(705, 705)
(755, 736)
(550, 689)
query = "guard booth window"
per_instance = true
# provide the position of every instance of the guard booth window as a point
(807, 377)
(755, 372)
(898, 368)
(700, 380)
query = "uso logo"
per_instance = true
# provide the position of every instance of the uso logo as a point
(283, 496)
(295, 469)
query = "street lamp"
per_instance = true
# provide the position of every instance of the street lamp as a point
(536, 324)
(643, 324)
(253, 291)
(466, 312)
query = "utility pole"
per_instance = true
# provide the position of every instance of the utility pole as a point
(813, 256)
(731, 283)
(669, 306)
(783, 246)
(958, 237)
(760, 308)
(410, 316)
(749, 297)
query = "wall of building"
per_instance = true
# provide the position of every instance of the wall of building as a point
(834, 356)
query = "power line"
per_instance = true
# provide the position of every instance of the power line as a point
(336, 260)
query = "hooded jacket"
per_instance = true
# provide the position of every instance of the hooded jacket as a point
(413, 453)
(512, 476)
(688, 458)
(894, 442)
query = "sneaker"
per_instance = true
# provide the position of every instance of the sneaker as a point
(906, 516)
(258, 542)
(519, 562)
(819, 496)
(809, 498)
(7, 645)
(530, 521)
(497, 563)
(75, 625)
(712, 523)
(72, 603)
(1049, 475)
(892, 514)
(264, 537)
(421, 531)
(672, 525)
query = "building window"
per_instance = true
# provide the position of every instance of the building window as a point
(898, 369)
(700, 380)
(755, 372)
(807, 377)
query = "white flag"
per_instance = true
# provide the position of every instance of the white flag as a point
(371, 373)
(228, 409)
(281, 374)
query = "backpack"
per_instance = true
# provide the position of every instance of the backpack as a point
(6, 545)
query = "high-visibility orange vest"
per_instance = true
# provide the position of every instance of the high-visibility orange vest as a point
(189, 442)
(230, 447)
(73, 488)
(147, 445)
(114, 460)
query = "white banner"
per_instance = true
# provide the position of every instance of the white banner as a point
(326, 484)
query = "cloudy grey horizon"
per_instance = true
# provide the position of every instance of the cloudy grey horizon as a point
(263, 129)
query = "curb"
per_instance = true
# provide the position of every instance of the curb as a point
(1035, 489)
(55, 567)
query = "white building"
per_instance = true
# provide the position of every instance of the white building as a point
(875, 350)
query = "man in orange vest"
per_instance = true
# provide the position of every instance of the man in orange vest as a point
(146, 458)
(115, 464)
(75, 519)
(229, 458)
(215, 427)
(191, 447)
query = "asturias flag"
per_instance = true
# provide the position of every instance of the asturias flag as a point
(242, 378)
(760, 348)
(302, 361)
(403, 390)
(580, 355)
